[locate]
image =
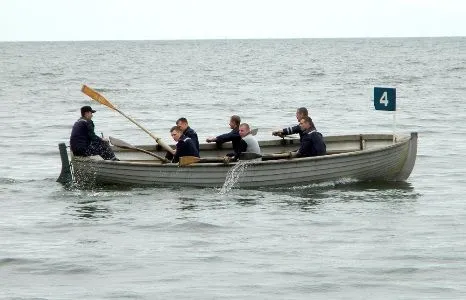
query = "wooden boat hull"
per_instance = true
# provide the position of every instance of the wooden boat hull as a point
(372, 157)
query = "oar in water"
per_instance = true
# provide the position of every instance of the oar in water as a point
(102, 100)
(125, 145)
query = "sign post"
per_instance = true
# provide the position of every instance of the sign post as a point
(385, 99)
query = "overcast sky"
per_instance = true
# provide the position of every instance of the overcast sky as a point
(65, 20)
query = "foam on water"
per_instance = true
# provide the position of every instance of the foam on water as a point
(233, 175)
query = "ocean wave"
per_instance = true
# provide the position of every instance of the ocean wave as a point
(41, 180)
(9, 261)
(49, 74)
(114, 90)
(60, 268)
(194, 225)
(456, 68)
(7, 180)
(41, 153)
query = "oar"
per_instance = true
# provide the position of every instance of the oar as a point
(279, 155)
(102, 100)
(122, 144)
(251, 155)
(189, 160)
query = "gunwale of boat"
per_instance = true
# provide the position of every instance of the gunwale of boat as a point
(286, 143)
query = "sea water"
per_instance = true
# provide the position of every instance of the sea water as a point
(335, 240)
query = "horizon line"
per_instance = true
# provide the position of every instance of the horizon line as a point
(226, 38)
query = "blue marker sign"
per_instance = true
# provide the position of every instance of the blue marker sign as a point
(385, 98)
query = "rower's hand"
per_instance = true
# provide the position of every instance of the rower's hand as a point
(210, 139)
(278, 133)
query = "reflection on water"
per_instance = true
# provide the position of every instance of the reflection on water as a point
(247, 201)
(188, 203)
(91, 211)
(308, 197)
(376, 191)
(94, 204)
(93, 186)
(303, 198)
(321, 191)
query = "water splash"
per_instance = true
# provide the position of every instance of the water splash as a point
(233, 175)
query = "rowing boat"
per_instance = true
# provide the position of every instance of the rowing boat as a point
(361, 157)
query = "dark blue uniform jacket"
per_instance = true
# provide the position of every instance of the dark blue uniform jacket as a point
(312, 144)
(233, 137)
(293, 130)
(185, 147)
(82, 135)
(189, 132)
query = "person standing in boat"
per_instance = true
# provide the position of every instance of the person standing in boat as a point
(84, 141)
(184, 145)
(300, 113)
(248, 142)
(233, 136)
(188, 131)
(312, 142)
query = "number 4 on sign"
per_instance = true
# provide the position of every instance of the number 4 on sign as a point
(385, 98)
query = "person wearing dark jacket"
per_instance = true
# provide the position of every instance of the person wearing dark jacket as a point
(188, 131)
(312, 143)
(84, 141)
(233, 136)
(300, 113)
(184, 145)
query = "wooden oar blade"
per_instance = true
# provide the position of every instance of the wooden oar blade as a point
(96, 96)
(120, 143)
(188, 160)
(101, 99)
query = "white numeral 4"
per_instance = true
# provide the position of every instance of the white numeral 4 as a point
(383, 99)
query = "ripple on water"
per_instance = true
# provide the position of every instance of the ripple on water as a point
(8, 181)
(57, 268)
(195, 226)
(14, 261)
(43, 266)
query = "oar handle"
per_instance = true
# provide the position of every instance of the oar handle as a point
(153, 154)
(157, 139)
(122, 144)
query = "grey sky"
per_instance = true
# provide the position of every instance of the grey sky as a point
(52, 20)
